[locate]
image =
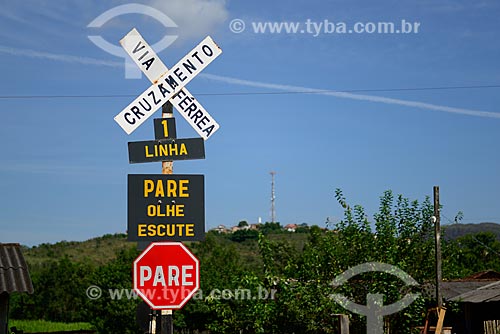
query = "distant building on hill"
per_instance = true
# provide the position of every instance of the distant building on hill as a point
(221, 229)
(290, 227)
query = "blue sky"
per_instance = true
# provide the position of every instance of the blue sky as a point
(64, 162)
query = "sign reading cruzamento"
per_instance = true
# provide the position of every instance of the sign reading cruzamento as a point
(169, 85)
(164, 207)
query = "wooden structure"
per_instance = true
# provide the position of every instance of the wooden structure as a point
(14, 277)
(439, 328)
(342, 323)
(481, 309)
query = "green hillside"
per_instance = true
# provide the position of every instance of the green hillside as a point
(98, 250)
(455, 231)
(102, 250)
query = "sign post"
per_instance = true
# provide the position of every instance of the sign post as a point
(167, 167)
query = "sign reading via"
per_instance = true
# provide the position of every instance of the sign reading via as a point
(166, 207)
(168, 85)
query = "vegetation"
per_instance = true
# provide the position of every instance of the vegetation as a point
(33, 326)
(288, 275)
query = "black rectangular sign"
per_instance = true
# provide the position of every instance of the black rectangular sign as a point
(165, 128)
(164, 207)
(166, 150)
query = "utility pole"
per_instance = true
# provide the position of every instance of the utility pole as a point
(167, 167)
(273, 197)
(437, 228)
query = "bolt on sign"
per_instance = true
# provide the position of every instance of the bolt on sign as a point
(168, 85)
(163, 207)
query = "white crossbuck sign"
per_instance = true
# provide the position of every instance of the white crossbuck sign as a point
(168, 85)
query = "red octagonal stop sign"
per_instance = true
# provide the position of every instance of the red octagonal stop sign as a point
(166, 275)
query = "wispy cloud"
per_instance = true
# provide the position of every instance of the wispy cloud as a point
(361, 97)
(59, 57)
(258, 84)
(8, 14)
(48, 168)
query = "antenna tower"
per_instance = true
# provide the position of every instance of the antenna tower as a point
(273, 197)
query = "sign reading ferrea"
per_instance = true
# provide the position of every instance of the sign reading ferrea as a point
(163, 207)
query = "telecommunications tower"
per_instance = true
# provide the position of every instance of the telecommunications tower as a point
(273, 197)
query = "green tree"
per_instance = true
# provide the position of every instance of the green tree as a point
(243, 223)
(401, 237)
(221, 268)
(268, 227)
(59, 292)
(111, 314)
(242, 235)
(471, 254)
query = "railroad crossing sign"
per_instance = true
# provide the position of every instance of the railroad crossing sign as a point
(168, 85)
(166, 275)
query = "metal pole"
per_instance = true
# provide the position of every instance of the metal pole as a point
(167, 323)
(152, 323)
(437, 227)
(167, 167)
(273, 197)
(167, 110)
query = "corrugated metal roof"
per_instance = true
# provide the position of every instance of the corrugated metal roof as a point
(484, 294)
(451, 289)
(14, 274)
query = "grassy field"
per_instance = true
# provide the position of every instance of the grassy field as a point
(33, 326)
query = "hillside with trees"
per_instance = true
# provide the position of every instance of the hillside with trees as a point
(293, 271)
(456, 231)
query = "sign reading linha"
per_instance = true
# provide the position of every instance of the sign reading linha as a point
(168, 86)
(166, 207)
(166, 150)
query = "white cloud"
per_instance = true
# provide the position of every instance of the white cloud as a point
(195, 18)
